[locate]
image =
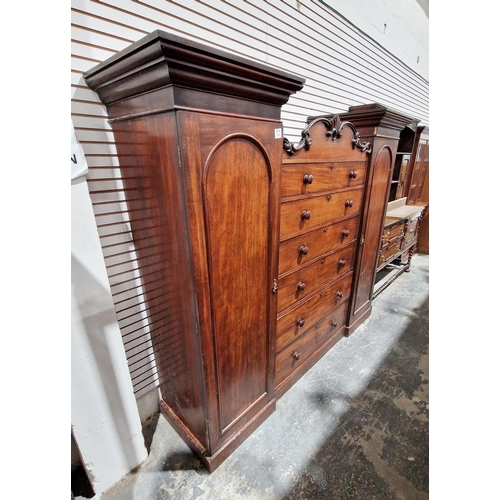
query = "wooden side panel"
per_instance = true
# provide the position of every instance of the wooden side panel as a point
(236, 190)
(373, 226)
(155, 198)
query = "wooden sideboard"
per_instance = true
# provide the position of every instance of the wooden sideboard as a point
(399, 242)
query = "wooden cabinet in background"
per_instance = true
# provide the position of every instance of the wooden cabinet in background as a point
(381, 126)
(199, 138)
(399, 242)
(418, 192)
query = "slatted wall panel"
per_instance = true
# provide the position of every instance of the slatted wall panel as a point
(343, 67)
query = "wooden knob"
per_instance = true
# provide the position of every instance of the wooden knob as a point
(345, 232)
(303, 250)
(341, 262)
(308, 179)
(296, 355)
(349, 203)
(301, 285)
(353, 174)
(334, 324)
(305, 214)
(301, 322)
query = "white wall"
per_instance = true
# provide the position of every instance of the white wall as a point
(104, 416)
(400, 26)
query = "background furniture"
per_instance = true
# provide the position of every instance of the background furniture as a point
(399, 242)
(381, 126)
(418, 192)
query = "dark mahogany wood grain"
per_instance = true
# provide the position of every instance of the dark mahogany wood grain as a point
(238, 225)
(150, 166)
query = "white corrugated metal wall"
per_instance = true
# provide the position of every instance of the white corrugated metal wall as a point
(342, 66)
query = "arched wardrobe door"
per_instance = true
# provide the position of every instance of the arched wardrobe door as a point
(237, 212)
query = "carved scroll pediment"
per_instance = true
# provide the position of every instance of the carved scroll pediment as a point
(334, 127)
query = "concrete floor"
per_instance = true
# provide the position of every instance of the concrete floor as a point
(356, 426)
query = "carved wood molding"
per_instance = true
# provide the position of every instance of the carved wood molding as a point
(334, 127)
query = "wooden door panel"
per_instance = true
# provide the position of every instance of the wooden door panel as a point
(373, 228)
(236, 189)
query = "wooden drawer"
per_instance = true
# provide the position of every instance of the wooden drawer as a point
(411, 232)
(310, 278)
(393, 233)
(316, 243)
(290, 358)
(387, 253)
(307, 315)
(304, 214)
(302, 178)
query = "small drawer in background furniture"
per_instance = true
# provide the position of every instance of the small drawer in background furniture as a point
(411, 231)
(393, 233)
(387, 253)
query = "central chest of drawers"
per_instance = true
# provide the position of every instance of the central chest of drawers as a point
(322, 192)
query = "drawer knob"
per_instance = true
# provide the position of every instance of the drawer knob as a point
(345, 232)
(339, 294)
(334, 324)
(308, 179)
(301, 322)
(353, 174)
(349, 203)
(342, 262)
(301, 285)
(305, 214)
(296, 355)
(303, 250)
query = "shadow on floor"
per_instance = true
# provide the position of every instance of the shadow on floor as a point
(380, 447)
